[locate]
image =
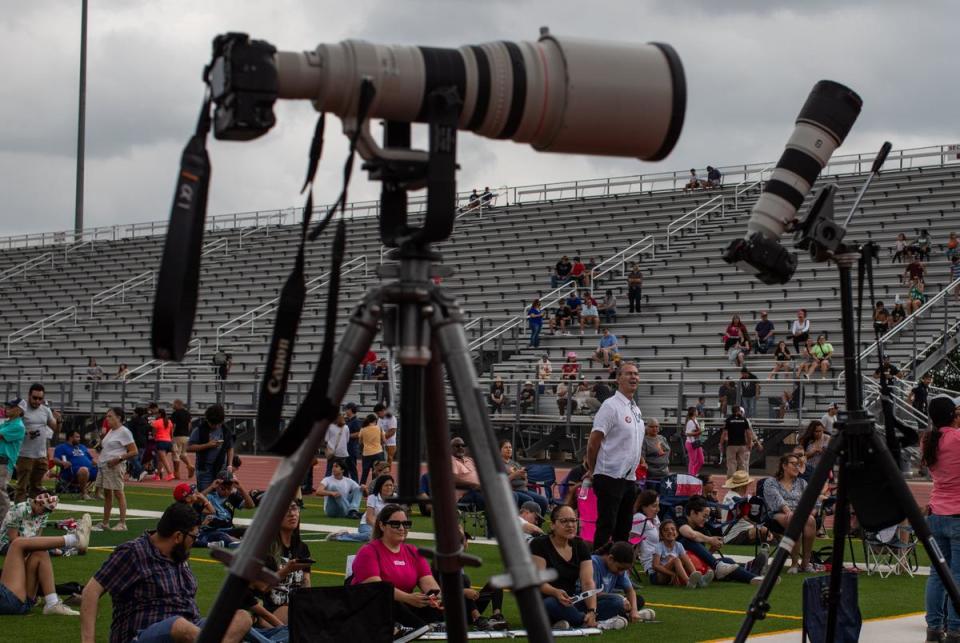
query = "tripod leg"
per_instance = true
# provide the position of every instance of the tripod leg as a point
(247, 562)
(841, 525)
(903, 497)
(501, 508)
(760, 604)
(443, 499)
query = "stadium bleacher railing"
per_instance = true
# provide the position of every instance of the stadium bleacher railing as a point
(935, 155)
(41, 326)
(693, 217)
(28, 265)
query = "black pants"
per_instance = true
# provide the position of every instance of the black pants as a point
(633, 294)
(800, 340)
(415, 616)
(488, 596)
(615, 498)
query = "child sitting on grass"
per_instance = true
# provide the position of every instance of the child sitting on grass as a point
(671, 565)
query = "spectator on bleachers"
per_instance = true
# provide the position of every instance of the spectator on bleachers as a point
(601, 391)
(923, 245)
(474, 200)
(952, 246)
(693, 444)
(800, 329)
(381, 374)
(341, 494)
(655, 452)
(535, 320)
(608, 308)
(749, 392)
(727, 396)
(94, 372)
(635, 288)
(497, 396)
(822, 351)
(528, 398)
(560, 319)
(223, 362)
(569, 556)
(807, 363)
(122, 372)
(917, 296)
(117, 448)
(881, 318)
(920, 394)
(713, 177)
(671, 565)
(701, 406)
(739, 352)
(694, 182)
(588, 275)
(617, 598)
(916, 269)
(898, 314)
(563, 398)
(781, 360)
(613, 371)
(578, 272)
(888, 370)
(213, 444)
(814, 440)
(765, 334)
(583, 398)
(544, 372)
(372, 439)
(571, 367)
(734, 331)
(743, 531)
(76, 463)
(518, 479)
(589, 315)
(152, 586)
(486, 197)
(696, 538)
(378, 496)
(561, 272)
(829, 418)
(575, 303)
(368, 364)
(901, 249)
(607, 348)
(782, 493)
(736, 441)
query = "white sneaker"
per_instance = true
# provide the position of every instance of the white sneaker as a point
(707, 578)
(613, 623)
(647, 614)
(793, 570)
(59, 609)
(100, 527)
(725, 569)
(83, 533)
(561, 625)
(694, 581)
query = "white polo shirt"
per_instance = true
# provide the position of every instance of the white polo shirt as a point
(386, 423)
(622, 427)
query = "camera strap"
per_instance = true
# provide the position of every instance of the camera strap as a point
(175, 301)
(317, 403)
(293, 295)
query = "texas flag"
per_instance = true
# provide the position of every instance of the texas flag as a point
(681, 484)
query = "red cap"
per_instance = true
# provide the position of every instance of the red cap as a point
(183, 490)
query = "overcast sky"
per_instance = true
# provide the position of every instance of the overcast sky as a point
(749, 66)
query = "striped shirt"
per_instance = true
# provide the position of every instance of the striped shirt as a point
(146, 588)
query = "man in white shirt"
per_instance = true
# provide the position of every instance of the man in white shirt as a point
(40, 423)
(613, 453)
(341, 494)
(388, 424)
(337, 439)
(829, 418)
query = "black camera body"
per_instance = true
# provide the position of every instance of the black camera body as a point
(243, 85)
(766, 258)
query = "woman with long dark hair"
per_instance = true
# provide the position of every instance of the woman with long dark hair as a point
(289, 557)
(518, 478)
(814, 440)
(941, 455)
(782, 494)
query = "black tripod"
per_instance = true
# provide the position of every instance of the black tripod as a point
(868, 477)
(425, 324)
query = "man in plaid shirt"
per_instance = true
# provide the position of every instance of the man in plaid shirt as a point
(152, 586)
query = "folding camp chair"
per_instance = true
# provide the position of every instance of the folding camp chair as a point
(891, 551)
(543, 479)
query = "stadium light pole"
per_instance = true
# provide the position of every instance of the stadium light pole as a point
(81, 121)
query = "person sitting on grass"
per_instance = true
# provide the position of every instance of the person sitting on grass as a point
(742, 532)
(645, 530)
(27, 570)
(530, 520)
(476, 601)
(226, 494)
(76, 463)
(152, 587)
(610, 566)
(671, 565)
(380, 491)
(188, 495)
(341, 495)
(388, 557)
(695, 538)
(289, 557)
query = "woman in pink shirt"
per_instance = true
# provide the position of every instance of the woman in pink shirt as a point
(387, 557)
(941, 453)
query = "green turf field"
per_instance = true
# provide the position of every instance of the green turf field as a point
(698, 615)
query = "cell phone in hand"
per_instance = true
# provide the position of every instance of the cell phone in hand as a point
(433, 592)
(306, 561)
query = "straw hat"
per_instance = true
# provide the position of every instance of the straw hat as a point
(739, 479)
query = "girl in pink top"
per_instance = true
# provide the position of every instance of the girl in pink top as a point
(941, 452)
(387, 557)
(162, 431)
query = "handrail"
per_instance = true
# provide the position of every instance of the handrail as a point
(694, 216)
(737, 190)
(74, 247)
(249, 317)
(33, 262)
(934, 155)
(40, 326)
(121, 289)
(249, 231)
(479, 206)
(158, 364)
(216, 244)
(621, 258)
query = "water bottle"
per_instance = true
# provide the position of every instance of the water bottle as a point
(585, 488)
